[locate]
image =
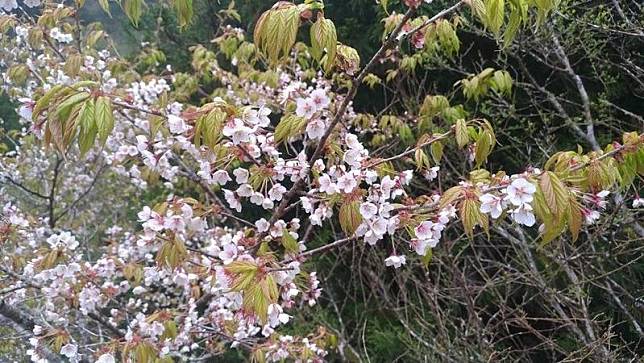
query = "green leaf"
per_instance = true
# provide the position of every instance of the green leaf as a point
(290, 244)
(421, 159)
(291, 25)
(103, 118)
(348, 60)
(543, 9)
(184, 12)
(243, 273)
(437, 151)
(483, 147)
(478, 8)
(384, 4)
(105, 5)
(433, 106)
(447, 37)
(208, 128)
(501, 81)
(372, 80)
(427, 258)
(276, 30)
(494, 13)
(133, 9)
(324, 39)
(64, 109)
(259, 34)
(450, 196)
(471, 216)
(513, 26)
(289, 126)
(87, 127)
(73, 64)
(462, 136)
(44, 102)
(172, 253)
(627, 170)
(272, 41)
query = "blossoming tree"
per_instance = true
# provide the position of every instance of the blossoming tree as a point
(245, 175)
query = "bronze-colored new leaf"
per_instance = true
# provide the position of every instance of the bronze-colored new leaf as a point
(555, 192)
(350, 217)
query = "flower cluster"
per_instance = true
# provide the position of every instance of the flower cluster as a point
(517, 195)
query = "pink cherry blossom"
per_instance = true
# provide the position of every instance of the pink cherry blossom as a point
(305, 108)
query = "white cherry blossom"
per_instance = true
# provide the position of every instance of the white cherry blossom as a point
(368, 210)
(520, 191)
(305, 108)
(638, 203)
(492, 205)
(106, 358)
(69, 350)
(523, 215)
(259, 116)
(320, 99)
(395, 261)
(8, 5)
(347, 183)
(315, 129)
(241, 175)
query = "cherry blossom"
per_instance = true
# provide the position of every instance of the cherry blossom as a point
(63, 240)
(347, 183)
(598, 199)
(69, 350)
(106, 358)
(305, 108)
(31, 3)
(426, 230)
(238, 132)
(523, 215)
(176, 124)
(395, 261)
(241, 175)
(315, 129)
(590, 216)
(320, 99)
(59, 36)
(520, 191)
(431, 173)
(259, 116)
(638, 203)
(8, 5)
(491, 204)
(368, 210)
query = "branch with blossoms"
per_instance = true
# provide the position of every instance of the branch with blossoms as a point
(274, 152)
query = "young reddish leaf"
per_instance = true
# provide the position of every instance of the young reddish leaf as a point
(350, 217)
